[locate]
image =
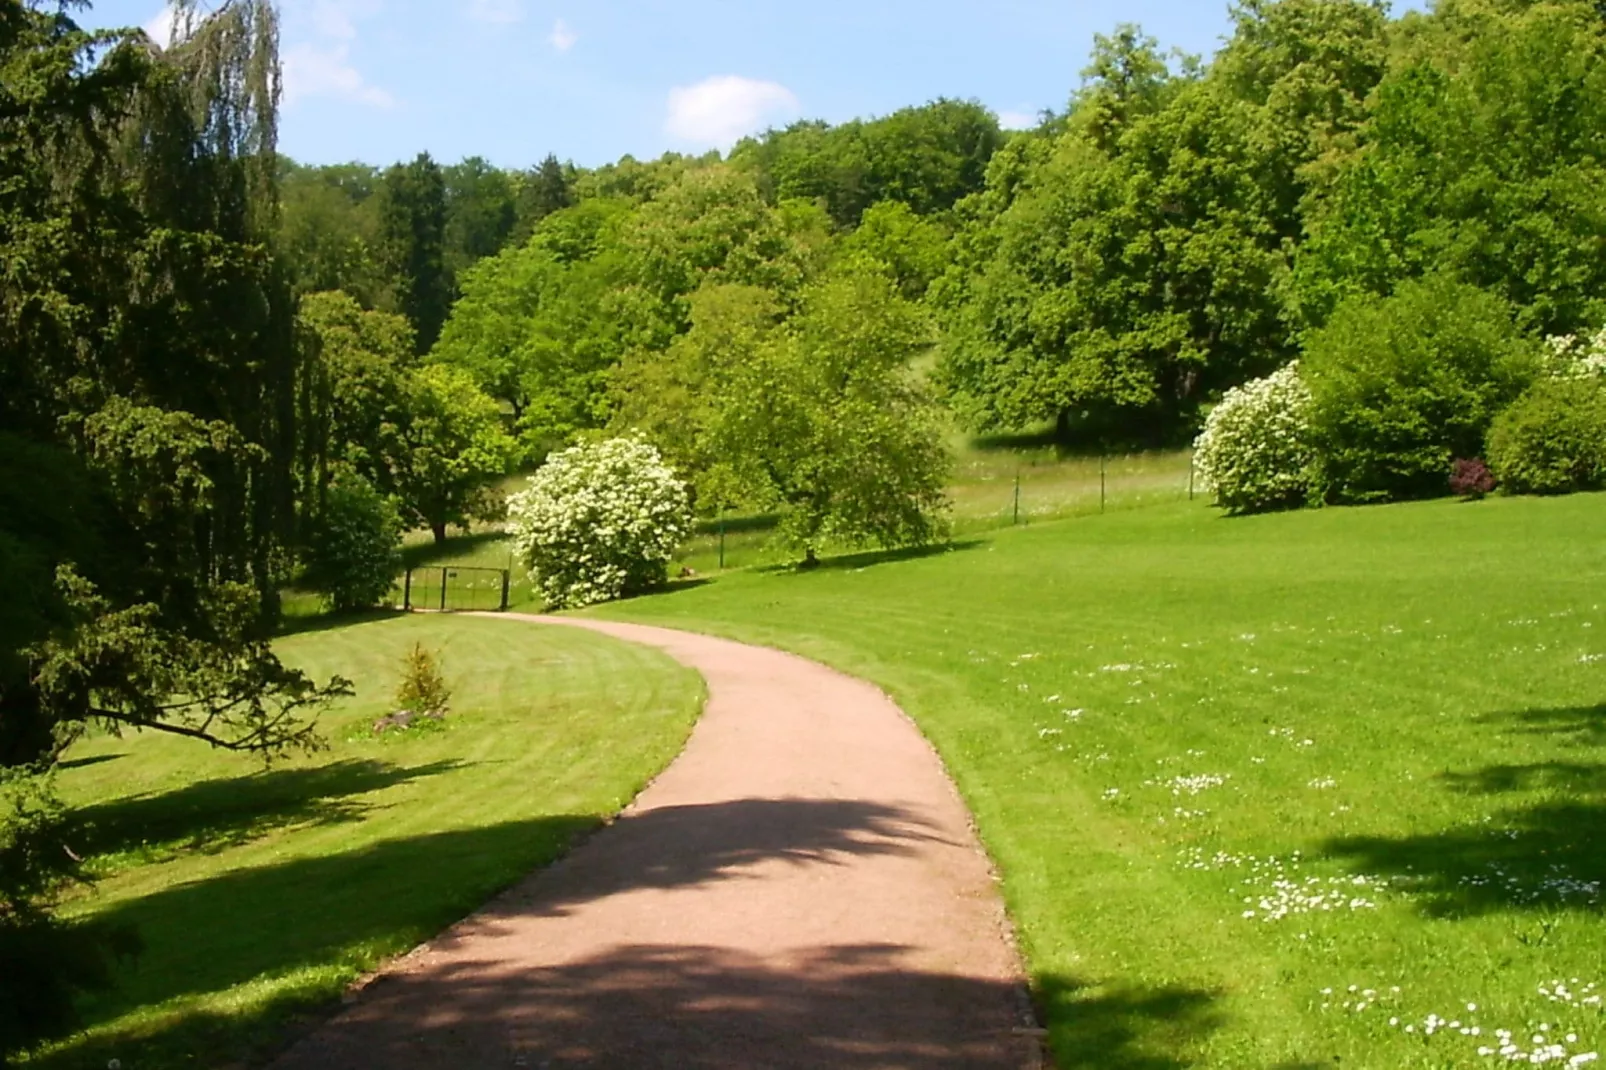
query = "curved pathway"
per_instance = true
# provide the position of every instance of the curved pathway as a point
(800, 888)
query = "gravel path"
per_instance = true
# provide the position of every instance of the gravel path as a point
(800, 888)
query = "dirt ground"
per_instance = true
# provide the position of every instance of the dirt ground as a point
(800, 888)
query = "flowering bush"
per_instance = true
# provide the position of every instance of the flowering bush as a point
(1255, 451)
(600, 521)
(1572, 357)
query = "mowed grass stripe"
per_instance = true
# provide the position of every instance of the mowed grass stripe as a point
(1446, 663)
(262, 894)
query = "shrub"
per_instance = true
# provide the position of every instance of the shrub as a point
(423, 688)
(1471, 478)
(1400, 386)
(48, 962)
(1553, 439)
(1255, 451)
(600, 521)
(354, 553)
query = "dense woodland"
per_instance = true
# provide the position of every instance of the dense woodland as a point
(212, 356)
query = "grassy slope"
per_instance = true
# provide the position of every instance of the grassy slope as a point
(1409, 694)
(982, 490)
(261, 893)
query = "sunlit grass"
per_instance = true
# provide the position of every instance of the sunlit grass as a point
(262, 894)
(1158, 715)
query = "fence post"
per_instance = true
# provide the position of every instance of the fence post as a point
(1101, 481)
(443, 589)
(1190, 475)
(1017, 496)
(505, 574)
(407, 592)
(722, 540)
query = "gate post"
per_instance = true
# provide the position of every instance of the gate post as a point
(443, 589)
(504, 589)
(407, 592)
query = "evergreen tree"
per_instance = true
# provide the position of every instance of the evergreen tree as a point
(545, 190)
(413, 228)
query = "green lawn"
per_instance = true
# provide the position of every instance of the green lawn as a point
(262, 894)
(982, 491)
(1265, 792)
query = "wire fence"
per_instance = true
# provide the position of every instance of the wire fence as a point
(452, 588)
(989, 492)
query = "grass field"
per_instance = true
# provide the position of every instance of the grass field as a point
(1314, 789)
(982, 491)
(261, 895)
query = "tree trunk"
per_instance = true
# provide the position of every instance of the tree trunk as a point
(1062, 428)
(439, 531)
(809, 559)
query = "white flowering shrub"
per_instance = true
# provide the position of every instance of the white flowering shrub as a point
(1571, 356)
(599, 521)
(1256, 450)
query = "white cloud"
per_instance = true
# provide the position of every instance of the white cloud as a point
(717, 111)
(500, 12)
(1017, 120)
(314, 71)
(563, 38)
(159, 27)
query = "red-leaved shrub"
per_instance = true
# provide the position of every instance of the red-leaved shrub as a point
(1471, 479)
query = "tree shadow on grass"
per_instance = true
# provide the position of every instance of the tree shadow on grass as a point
(869, 558)
(1546, 853)
(329, 621)
(426, 554)
(211, 815)
(1583, 726)
(1124, 1027)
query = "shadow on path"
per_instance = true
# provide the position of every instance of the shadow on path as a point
(696, 1008)
(684, 846)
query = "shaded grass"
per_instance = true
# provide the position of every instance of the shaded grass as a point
(261, 894)
(1411, 695)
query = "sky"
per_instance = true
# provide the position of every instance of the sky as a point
(592, 80)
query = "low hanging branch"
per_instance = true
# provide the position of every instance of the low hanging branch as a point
(124, 668)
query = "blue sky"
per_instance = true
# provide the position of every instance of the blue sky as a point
(590, 80)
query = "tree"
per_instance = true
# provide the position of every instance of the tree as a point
(825, 419)
(914, 250)
(480, 212)
(542, 191)
(412, 218)
(453, 448)
(1118, 276)
(354, 401)
(328, 233)
(927, 157)
(1481, 159)
(540, 325)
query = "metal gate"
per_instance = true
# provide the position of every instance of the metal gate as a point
(453, 588)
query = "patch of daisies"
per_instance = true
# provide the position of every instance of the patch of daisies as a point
(1533, 1045)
